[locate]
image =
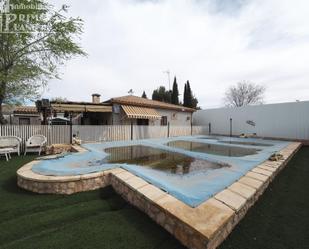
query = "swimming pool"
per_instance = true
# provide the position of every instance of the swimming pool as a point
(190, 176)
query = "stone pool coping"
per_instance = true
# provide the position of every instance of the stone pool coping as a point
(205, 226)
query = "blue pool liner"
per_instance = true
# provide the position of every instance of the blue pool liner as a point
(193, 188)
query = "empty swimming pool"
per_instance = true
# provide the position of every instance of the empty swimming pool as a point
(214, 149)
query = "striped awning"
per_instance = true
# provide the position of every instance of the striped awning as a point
(137, 112)
(80, 108)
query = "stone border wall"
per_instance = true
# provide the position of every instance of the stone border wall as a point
(60, 185)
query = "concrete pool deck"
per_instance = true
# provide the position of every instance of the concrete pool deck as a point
(204, 226)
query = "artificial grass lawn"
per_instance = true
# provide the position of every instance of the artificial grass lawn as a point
(279, 220)
(102, 219)
(96, 219)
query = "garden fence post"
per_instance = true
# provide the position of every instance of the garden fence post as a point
(209, 128)
(71, 133)
(168, 129)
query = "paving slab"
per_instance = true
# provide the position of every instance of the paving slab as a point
(125, 175)
(242, 189)
(211, 216)
(273, 164)
(27, 167)
(92, 175)
(173, 205)
(257, 176)
(116, 171)
(262, 171)
(231, 199)
(251, 182)
(151, 192)
(136, 182)
(271, 169)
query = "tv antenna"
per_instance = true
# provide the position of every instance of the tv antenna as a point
(169, 78)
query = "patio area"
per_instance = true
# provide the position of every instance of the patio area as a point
(102, 219)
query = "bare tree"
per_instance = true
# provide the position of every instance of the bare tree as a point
(244, 93)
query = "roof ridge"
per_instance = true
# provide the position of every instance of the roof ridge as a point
(144, 101)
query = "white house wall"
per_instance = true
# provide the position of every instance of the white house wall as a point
(175, 118)
(285, 120)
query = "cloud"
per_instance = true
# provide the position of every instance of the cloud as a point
(211, 43)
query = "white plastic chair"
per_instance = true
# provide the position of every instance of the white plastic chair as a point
(35, 143)
(11, 142)
(6, 153)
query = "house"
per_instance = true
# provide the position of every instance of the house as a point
(21, 115)
(81, 113)
(140, 111)
(124, 110)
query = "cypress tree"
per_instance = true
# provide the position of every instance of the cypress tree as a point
(188, 99)
(189, 95)
(144, 95)
(175, 93)
(185, 95)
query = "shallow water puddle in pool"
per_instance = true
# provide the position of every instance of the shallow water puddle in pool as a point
(213, 148)
(245, 143)
(158, 159)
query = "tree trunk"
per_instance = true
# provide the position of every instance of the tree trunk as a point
(3, 85)
(2, 120)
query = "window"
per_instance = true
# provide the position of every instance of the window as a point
(142, 121)
(116, 109)
(24, 121)
(164, 121)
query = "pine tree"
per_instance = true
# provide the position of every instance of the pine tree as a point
(175, 93)
(194, 102)
(161, 94)
(155, 95)
(144, 95)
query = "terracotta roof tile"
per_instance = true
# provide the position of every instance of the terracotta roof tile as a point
(138, 101)
(26, 110)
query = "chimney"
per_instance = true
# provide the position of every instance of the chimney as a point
(96, 98)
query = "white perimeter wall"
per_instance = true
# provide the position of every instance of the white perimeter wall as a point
(286, 120)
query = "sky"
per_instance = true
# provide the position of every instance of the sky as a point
(212, 43)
